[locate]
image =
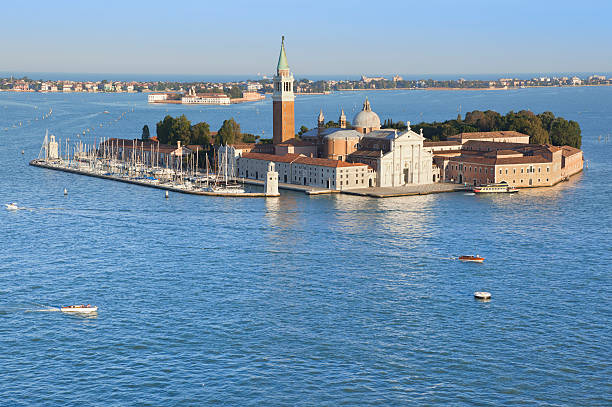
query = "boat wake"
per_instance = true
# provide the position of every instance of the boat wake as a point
(469, 193)
(50, 309)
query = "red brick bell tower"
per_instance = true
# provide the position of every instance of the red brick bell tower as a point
(282, 100)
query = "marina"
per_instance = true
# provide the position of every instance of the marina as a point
(108, 162)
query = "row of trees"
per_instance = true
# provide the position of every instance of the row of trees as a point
(543, 128)
(171, 130)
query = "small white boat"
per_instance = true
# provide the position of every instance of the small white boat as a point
(11, 206)
(86, 309)
(482, 295)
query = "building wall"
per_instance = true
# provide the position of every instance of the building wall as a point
(339, 148)
(572, 164)
(306, 174)
(283, 121)
(517, 175)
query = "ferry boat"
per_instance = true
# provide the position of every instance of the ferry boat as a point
(499, 188)
(80, 308)
(475, 259)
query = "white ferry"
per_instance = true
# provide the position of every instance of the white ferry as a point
(500, 188)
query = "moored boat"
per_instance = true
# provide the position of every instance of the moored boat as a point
(476, 259)
(499, 188)
(80, 308)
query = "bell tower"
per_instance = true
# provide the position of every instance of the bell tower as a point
(282, 100)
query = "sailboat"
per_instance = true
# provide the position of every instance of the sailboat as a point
(223, 181)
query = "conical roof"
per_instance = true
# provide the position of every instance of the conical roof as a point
(282, 58)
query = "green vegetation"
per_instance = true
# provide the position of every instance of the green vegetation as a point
(234, 92)
(543, 128)
(172, 130)
(229, 133)
(145, 132)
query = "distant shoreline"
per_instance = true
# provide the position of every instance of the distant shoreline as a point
(508, 88)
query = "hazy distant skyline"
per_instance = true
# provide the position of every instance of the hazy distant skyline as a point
(334, 38)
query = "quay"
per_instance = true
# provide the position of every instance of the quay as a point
(407, 190)
(43, 164)
(308, 190)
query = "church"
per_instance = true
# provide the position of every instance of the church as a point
(378, 157)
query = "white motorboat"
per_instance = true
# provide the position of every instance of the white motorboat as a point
(482, 295)
(86, 309)
(11, 206)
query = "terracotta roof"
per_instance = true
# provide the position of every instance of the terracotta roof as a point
(299, 159)
(297, 143)
(529, 159)
(365, 153)
(440, 143)
(138, 144)
(243, 146)
(324, 162)
(287, 158)
(503, 152)
(490, 134)
(569, 151)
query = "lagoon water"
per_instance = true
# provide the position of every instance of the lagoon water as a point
(301, 301)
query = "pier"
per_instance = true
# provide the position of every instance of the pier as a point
(168, 187)
(407, 190)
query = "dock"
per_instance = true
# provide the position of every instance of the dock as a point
(307, 189)
(43, 164)
(407, 190)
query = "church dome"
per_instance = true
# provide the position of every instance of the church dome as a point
(366, 119)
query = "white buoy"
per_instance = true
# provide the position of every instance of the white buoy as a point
(482, 295)
(22, 152)
(166, 194)
(65, 192)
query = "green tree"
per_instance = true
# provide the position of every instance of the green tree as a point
(248, 138)
(229, 133)
(180, 131)
(303, 130)
(235, 92)
(200, 134)
(163, 129)
(145, 132)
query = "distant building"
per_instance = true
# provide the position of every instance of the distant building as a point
(193, 98)
(155, 97)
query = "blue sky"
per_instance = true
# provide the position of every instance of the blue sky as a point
(322, 37)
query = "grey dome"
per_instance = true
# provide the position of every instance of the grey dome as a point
(366, 118)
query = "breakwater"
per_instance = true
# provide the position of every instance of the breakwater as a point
(173, 188)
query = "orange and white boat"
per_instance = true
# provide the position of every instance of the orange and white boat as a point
(475, 259)
(80, 308)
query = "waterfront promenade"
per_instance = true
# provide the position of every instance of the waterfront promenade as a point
(407, 190)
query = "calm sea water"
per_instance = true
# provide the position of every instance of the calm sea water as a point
(301, 301)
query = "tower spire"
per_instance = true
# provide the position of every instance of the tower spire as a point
(282, 58)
